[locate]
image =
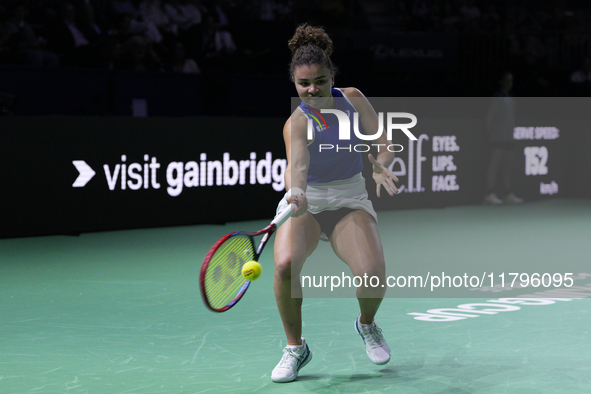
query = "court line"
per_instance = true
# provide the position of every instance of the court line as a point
(199, 348)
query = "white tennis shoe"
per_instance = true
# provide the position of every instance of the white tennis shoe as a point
(492, 199)
(376, 347)
(292, 361)
(513, 199)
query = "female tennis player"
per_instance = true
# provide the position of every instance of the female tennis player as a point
(331, 200)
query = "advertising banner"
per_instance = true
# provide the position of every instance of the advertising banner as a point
(67, 175)
(70, 175)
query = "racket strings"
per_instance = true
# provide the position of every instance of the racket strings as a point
(223, 278)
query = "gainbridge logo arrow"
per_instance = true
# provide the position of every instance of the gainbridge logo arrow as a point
(86, 173)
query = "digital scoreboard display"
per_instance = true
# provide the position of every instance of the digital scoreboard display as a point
(541, 158)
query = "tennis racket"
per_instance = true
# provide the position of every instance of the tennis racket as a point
(221, 281)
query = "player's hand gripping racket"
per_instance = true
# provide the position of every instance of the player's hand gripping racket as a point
(221, 281)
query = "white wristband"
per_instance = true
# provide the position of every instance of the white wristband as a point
(295, 190)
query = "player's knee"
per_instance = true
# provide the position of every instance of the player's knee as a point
(375, 274)
(283, 269)
(373, 285)
(286, 267)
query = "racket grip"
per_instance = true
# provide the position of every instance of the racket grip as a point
(284, 215)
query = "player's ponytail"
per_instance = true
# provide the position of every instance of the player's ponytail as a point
(310, 45)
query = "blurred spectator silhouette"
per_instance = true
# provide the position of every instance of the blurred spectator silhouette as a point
(119, 34)
(530, 55)
(491, 19)
(470, 10)
(92, 30)
(219, 11)
(137, 23)
(423, 12)
(138, 55)
(188, 17)
(218, 47)
(500, 122)
(96, 34)
(184, 16)
(181, 63)
(152, 11)
(580, 79)
(272, 10)
(68, 41)
(471, 15)
(25, 47)
(547, 39)
(450, 20)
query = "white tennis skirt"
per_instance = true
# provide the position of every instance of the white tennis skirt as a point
(330, 196)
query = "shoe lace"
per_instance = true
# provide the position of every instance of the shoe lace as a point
(290, 357)
(373, 335)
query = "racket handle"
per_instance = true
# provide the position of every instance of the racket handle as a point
(286, 213)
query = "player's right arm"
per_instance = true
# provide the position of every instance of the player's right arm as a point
(298, 159)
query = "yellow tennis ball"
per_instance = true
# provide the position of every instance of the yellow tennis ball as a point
(251, 270)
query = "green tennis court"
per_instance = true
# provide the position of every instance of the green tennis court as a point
(120, 312)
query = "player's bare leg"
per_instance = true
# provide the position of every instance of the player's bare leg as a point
(357, 242)
(296, 239)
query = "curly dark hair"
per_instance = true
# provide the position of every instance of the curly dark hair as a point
(310, 45)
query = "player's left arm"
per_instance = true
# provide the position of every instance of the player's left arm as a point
(368, 118)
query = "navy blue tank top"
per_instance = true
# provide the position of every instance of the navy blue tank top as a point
(329, 164)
